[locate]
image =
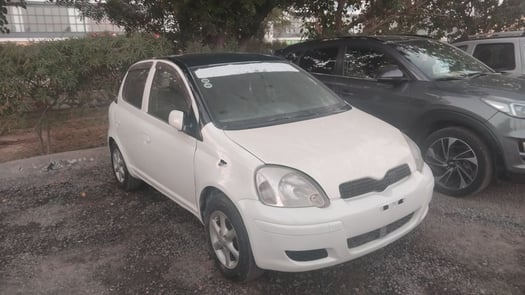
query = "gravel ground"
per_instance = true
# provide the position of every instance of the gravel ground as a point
(65, 228)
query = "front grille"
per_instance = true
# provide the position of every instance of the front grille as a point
(378, 233)
(365, 185)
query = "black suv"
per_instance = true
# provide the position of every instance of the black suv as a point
(468, 120)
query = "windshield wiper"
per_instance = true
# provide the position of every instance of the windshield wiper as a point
(476, 74)
(448, 78)
(462, 76)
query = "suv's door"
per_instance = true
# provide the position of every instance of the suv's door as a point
(321, 61)
(398, 102)
(168, 153)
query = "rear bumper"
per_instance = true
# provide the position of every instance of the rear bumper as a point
(303, 239)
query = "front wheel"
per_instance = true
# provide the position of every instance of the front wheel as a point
(460, 161)
(229, 241)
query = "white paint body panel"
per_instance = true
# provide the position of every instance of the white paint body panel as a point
(332, 150)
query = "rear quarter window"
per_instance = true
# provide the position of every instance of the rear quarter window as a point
(133, 88)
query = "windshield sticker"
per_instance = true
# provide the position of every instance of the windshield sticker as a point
(206, 83)
(239, 69)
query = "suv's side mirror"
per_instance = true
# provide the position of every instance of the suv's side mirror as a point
(390, 73)
(176, 119)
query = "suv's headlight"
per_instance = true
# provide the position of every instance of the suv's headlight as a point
(416, 153)
(512, 108)
(285, 187)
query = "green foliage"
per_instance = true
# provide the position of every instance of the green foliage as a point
(254, 46)
(48, 75)
(438, 18)
(213, 22)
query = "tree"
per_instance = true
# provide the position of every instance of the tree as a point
(212, 21)
(437, 18)
(4, 4)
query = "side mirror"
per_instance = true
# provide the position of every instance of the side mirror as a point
(176, 119)
(390, 73)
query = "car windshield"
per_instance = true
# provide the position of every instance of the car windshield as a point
(249, 95)
(440, 61)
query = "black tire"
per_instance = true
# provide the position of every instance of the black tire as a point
(120, 171)
(244, 269)
(460, 161)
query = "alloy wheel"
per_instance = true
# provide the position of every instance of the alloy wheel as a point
(453, 162)
(224, 240)
(118, 165)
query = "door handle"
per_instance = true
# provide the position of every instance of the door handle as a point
(347, 92)
(147, 139)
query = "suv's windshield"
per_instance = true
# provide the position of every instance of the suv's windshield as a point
(248, 95)
(440, 61)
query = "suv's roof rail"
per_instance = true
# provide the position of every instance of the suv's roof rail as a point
(507, 34)
(408, 35)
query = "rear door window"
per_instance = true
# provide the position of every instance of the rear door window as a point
(293, 56)
(499, 56)
(365, 63)
(133, 88)
(320, 60)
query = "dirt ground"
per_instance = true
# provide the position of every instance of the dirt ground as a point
(65, 228)
(71, 130)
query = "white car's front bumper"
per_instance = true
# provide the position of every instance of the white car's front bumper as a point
(345, 230)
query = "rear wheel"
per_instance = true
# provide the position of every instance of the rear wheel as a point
(120, 170)
(460, 161)
(229, 241)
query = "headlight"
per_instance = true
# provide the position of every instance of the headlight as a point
(511, 108)
(416, 153)
(285, 187)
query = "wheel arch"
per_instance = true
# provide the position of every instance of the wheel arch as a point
(113, 142)
(207, 193)
(439, 120)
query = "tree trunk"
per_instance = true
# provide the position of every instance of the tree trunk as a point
(38, 129)
(246, 33)
(339, 15)
(220, 40)
(48, 136)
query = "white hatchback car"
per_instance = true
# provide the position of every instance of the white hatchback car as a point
(283, 173)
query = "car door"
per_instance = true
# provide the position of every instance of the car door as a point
(321, 61)
(130, 114)
(169, 153)
(398, 102)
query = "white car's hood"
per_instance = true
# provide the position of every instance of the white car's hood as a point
(332, 149)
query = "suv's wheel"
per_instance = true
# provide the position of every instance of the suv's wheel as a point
(229, 241)
(120, 170)
(460, 161)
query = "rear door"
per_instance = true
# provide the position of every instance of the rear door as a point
(130, 113)
(324, 62)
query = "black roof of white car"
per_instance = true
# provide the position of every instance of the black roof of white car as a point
(204, 59)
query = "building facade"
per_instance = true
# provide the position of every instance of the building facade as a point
(47, 21)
